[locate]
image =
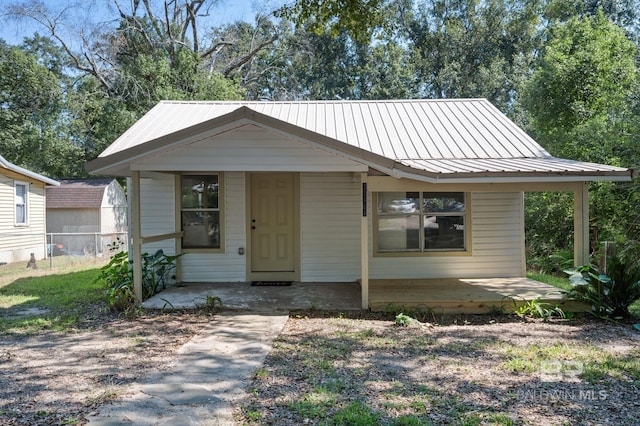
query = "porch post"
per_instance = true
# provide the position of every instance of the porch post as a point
(136, 234)
(581, 224)
(364, 243)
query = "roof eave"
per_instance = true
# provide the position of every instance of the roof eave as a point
(119, 164)
(512, 177)
(28, 173)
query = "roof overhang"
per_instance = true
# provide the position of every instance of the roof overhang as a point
(121, 163)
(27, 173)
(496, 170)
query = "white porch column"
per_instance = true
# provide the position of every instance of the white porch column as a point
(136, 234)
(581, 224)
(364, 243)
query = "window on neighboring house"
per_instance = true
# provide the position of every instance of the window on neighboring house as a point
(21, 198)
(421, 221)
(200, 211)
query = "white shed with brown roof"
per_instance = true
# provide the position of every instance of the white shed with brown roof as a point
(339, 191)
(85, 206)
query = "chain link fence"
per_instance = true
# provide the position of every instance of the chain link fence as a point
(95, 245)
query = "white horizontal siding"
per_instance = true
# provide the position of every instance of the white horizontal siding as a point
(18, 242)
(249, 148)
(497, 245)
(330, 210)
(228, 266)
(157, 211)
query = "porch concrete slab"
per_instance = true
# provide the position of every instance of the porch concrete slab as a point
(244, 296)
(211, 371)
(464, 296)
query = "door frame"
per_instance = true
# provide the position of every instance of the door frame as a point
(273, 276)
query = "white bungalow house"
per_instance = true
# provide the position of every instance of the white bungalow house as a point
(22, 218)
(339, 191)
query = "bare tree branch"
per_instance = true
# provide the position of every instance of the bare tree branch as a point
(246, 58)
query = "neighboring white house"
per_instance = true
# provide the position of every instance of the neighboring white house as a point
(85, 206)
(22, 213)
(338, 191)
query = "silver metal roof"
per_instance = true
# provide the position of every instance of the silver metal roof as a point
(439, 137)
(27, 173)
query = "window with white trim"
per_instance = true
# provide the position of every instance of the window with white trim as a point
(22, 203)
(200, 200)
(421, 221)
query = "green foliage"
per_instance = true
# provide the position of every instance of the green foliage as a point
(117, 275)
(58, 301)
(610, 293)
(466, 48)
(403, 320)
(33, 131)
(356, 414)
(554, 280)
(582, 104)
(213, 303)
(588, 71)
(358, 17)
(537, 309)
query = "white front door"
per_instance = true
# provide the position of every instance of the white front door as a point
(273, 226)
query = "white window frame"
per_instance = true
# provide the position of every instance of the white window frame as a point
(24, 203)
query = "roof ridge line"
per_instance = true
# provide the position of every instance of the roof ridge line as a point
(321, 101)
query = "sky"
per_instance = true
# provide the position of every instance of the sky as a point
(226, 11)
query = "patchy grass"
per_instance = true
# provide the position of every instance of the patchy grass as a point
(337, 371)
(48, 299)
(559, 282)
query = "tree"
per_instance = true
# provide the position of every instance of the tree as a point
(358, 18)
(155, 52)
(466, 48)
(581, 90)
(33, 133)
(580, 101)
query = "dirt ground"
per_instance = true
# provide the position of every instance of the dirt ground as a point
(472, 371)
(54, 379)
(469, 368)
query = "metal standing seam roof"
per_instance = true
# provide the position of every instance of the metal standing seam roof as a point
(440, 137)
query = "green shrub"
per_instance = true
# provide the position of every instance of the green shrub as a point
(609, 294)
(403, 320)
(157, 274)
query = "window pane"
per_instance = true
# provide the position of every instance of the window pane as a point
(21, 214)
(201, 229)
(443, 232)
(21, 192)
(397, 202)
(200, 192)
(399, 233)
(21, 203)
(443, 202)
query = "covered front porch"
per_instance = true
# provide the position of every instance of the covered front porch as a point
(441, 296)
(465, 296)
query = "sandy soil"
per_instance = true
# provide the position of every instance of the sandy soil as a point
(473, 370)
